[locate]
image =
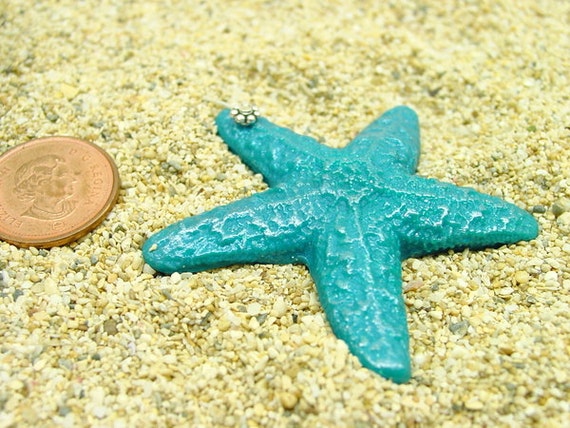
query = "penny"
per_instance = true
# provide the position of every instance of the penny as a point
(54, 190)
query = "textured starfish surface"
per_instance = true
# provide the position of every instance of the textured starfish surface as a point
(351, 215)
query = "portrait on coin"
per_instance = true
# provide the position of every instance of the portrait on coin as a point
(47, 185)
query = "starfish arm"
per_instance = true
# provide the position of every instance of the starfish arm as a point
(358, 277)
(437, 216)
(264, 228)
(393, 138)
(271, 150)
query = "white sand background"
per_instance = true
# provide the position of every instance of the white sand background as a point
(90, 336)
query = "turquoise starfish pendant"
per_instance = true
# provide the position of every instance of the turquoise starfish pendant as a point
(350, 215)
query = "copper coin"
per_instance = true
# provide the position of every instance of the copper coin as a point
(54, 190)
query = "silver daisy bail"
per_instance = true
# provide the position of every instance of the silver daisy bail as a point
(245, 114)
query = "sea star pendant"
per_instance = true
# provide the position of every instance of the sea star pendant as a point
(351, 215)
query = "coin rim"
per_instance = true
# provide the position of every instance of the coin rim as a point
(97, 218)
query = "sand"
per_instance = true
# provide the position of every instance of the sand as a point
(91, 336)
